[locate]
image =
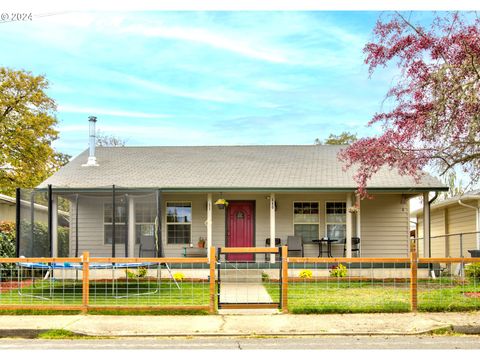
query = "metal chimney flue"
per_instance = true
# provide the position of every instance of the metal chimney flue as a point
(92, 160)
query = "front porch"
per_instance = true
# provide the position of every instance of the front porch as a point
(171, 223)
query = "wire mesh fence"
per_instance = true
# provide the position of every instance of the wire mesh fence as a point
(150, 284)
(453, 284)
(301, 285)
(348, 285)
(104, 283)
(42, 283)
(249, 278)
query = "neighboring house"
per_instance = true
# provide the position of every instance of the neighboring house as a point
(451, 220)
(8, 210)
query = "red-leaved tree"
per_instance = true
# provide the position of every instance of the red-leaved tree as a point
(435, 116)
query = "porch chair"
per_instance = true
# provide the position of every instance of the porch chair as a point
(295, 245)
(278, 242)
(355, 246)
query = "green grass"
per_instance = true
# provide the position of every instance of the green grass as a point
(61, 334)
(373, 297)
(126, 293)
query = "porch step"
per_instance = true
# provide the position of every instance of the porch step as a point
(241, 275)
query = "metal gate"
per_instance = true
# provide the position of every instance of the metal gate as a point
(249, 284)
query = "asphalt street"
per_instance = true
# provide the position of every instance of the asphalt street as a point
(244, 343)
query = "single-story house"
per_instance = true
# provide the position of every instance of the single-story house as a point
(454, 225)
(163, 200)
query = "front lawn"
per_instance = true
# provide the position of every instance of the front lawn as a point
(123, 292)
(375, 296)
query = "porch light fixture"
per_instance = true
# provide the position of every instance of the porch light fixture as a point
(221, 203)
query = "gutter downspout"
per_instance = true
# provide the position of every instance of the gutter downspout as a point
(430, 225)
(477, 217)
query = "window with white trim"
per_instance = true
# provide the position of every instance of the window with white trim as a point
(336, 220)
(120, 223)
(306, 219)
(179, 222)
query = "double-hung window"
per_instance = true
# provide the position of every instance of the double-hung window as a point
(179, 222)
(120, 223)
(336, 220)
(306, 219)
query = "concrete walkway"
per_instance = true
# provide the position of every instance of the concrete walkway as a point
(244, 293)
(241, 325)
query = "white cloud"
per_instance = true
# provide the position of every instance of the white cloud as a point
(113, 112)
(220, 94)
(210, 38)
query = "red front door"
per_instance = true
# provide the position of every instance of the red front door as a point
(240, 220)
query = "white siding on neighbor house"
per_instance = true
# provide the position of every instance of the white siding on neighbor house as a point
(384, 223)
(7, 212)
(451, 219)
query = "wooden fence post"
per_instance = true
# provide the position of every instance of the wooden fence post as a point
(213, 261)
(284, 304)
(413, 277)
(85, 280)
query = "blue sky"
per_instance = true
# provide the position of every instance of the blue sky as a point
(201, 78)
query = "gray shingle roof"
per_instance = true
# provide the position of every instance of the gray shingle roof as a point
(218, 167)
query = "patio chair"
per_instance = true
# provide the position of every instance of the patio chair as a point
(295, 245)
(278, 242)
(355, 246)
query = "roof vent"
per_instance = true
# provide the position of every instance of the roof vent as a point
(92, 160)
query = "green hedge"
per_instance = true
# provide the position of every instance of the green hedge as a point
(41, 246)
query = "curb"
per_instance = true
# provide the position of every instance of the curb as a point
(33, 333)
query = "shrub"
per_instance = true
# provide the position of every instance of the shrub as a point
(178, 276)
(7, 247)
(339, 270)
(265, 277)
(306, 274)
(142, 272)
(130, 274)
(7, 239)
(473, 271)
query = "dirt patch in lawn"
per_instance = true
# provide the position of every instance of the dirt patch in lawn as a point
(475, 295)
(6, 286)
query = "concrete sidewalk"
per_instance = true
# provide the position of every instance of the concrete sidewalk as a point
(241, 325)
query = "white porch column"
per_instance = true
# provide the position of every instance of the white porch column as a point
(209, 224)
(348, 233)
(131, 226)
(272, 225)
(54, 226)
(358, 230)
(426, 226)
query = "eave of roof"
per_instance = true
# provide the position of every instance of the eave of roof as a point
(465, 197)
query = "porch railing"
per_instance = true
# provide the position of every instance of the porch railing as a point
(451, 245)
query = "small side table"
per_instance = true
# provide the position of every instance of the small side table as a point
(320, 243)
